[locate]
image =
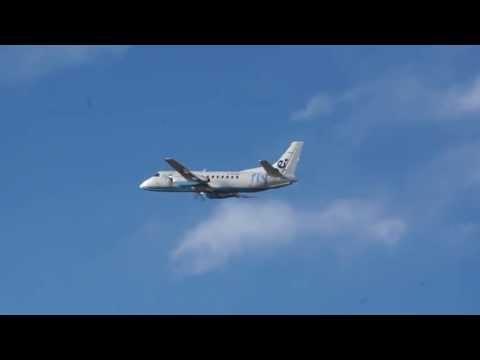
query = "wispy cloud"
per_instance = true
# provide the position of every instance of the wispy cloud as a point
(450, 174)
(464, 100)
(403, 96)
(319, 105)
(21, 63)
(236, 228)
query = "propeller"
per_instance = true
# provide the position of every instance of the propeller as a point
(200, 195)
(246, 196)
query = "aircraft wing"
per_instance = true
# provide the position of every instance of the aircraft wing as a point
(186, 173)
(270, 169)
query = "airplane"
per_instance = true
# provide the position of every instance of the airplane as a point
(227, 184)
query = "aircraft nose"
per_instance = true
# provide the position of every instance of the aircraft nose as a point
(143, 185)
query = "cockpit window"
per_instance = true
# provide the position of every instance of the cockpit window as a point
(156, 174)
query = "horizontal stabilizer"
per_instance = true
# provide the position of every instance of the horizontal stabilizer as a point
(271, 170)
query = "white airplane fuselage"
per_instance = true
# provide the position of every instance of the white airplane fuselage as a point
(223, 184)
(220, 181)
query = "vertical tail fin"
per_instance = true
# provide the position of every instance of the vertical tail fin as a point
(287, 164)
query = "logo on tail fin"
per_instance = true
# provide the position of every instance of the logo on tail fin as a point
(282, 164)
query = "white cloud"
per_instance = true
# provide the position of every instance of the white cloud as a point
(357, 219)
(466, 100)
(236, 228)
(20, 63)
(320, 104)
(232, 229)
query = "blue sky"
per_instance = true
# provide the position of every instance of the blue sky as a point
(384, 219)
